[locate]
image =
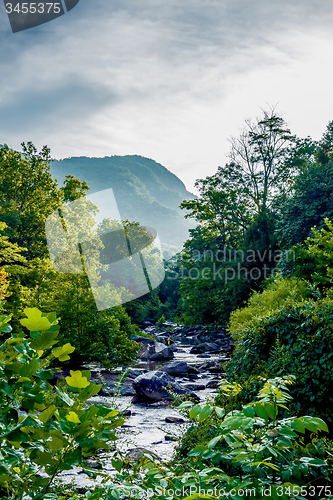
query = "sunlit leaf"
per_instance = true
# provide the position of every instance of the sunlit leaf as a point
(72, 417)
(35, 322)
(62, 353)
(77, 380)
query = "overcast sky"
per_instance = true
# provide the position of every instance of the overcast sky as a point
(168, 80)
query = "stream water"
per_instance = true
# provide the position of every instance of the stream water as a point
(146, 426)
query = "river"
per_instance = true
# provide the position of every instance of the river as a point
(146, 426)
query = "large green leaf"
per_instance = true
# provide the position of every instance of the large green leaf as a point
(214, 441)
(62, 353)
(47, 414)
(30, 368)
(77, 380)
(35, 322)
(44, 341)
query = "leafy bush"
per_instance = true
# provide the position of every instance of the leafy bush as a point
(314, 258)
(297, 339)
(253, 450)
(98, 336)
(39, 438)
(277, 293)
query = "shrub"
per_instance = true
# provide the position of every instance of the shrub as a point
(38, 437)
(277, 293)
(254, 452)
(297, 339)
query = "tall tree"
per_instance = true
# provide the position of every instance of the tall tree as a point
(235, 209)
(28, 195)
(310, 200)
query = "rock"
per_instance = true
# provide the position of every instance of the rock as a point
(176, 368)
(213, 384)
(204, 347)
(104, 392)
(174, 420)
(211, 366)
(125, 390)
(193, 369)
(195, 387)
(178, 330)
(150, 387)
(203, 356)
(192, 376)
(147, 351)
(133, 373)
(147, 323)
(170, 438)
(134, 454)
(161, 352)
(126, 413)
(150, 330)
(216, 369)
(92, 463)
(169, 324)
(144, 340)
(163, 334)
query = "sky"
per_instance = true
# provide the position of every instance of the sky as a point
(170, 80)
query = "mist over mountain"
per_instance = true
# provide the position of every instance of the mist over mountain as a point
(145, 191)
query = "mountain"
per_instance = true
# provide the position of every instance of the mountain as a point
(145, 192)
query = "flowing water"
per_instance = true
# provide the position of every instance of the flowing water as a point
(146, 427)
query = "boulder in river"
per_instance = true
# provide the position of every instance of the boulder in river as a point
(135, 372)
(174, 420)
(195, 387)
(150, 387)
(213, 384)
(143, 340)
(135, 454)
(175, 368)
(205, 347)
(212, 367)
(161, 352)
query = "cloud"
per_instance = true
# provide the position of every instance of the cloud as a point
(168, 80)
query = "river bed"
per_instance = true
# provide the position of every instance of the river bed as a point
(146, 426)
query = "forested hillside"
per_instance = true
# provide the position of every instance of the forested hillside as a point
(145, 191)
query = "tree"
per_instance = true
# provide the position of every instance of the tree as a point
(3, 285)
(9, 253)
(236, 210)
(28, 195)
(325, 147)
(257, 174)
(310, 200)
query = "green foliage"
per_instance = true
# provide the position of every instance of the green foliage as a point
(325, 147)
(161, 320)
(98, 336)
(3, 285)
(315, 258)
(257, 442)
(271, 299)
(37, 435)
(28, 194)
(311, 202)
(237, 209)
(296, 339)
(252, 450)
